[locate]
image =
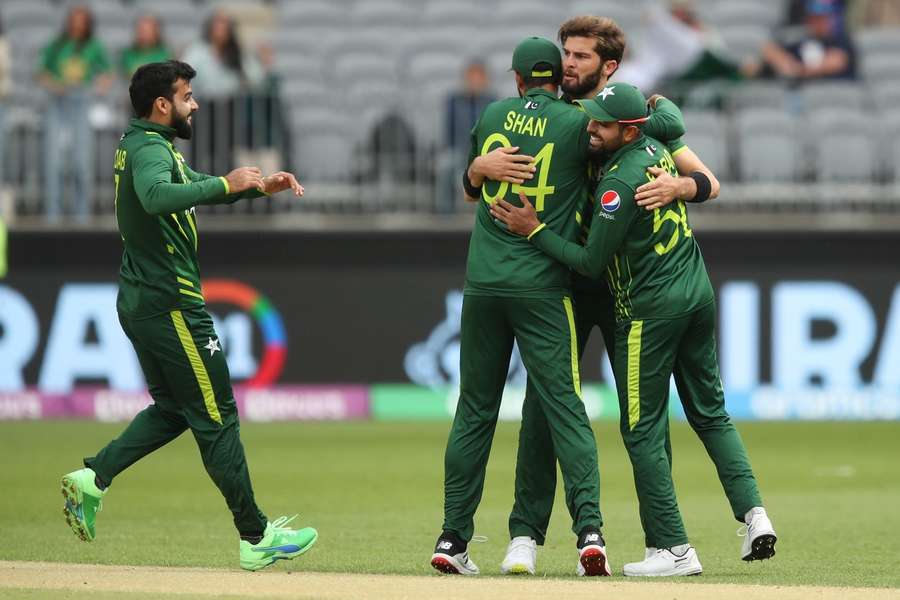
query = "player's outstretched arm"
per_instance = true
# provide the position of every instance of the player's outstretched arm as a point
(159, 195)
(500, 164)
(664, 188)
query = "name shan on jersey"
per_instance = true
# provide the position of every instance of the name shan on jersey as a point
(524, 124)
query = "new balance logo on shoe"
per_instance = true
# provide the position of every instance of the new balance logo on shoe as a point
(592, 537)
(445, 545)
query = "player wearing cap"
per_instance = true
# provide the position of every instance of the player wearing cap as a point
(665, 311)
(516, 293)
(593, 48)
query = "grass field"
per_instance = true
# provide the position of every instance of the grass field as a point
(832, 489)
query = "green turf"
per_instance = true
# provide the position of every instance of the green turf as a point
(374, 492)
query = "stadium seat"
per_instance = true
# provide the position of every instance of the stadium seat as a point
(708, 136)
(625, 14)
(843, 145)
(889, 129)
(753, 95)
(379, 13)
(881, 67)
(323, 156)
(886, 96)
(357, 66)
(817, 96)
(538, 17)
(304, 92)
(768, 147)
(441, 14)
(311, 14)
(427, 68)
(744, 13)
(307, 120)
(22, 14)
(878, 41)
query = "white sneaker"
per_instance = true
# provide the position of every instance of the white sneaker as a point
(759, 538)
(592, 559)
(667, 562)
(649, 551)
(451, 557)
(521, 556)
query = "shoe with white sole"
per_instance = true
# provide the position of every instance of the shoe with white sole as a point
(667, 562)
(521, 556)
(450, 556)
(592, 559)
(760, 538)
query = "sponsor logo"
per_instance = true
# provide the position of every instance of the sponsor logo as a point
(610, 201)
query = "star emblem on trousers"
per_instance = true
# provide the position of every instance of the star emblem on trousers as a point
(213, 346)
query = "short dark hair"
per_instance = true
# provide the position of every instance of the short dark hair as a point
(533, 82)
(609, 39)
(155, 80)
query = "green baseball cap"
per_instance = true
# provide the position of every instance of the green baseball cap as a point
(533, 51)
(621, 102)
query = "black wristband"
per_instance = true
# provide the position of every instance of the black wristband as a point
(704, 187)
(471, 190)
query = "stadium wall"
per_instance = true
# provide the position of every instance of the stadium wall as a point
(358, 325)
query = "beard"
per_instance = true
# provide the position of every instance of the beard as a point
(181, 126)
(583, 86)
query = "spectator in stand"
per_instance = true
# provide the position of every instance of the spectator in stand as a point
(223, 68)
(462, 111)
(148, 46)
(821, 50)
(227, 77)
(73, 67)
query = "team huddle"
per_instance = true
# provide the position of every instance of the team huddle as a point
(581, 222)
(595, 190)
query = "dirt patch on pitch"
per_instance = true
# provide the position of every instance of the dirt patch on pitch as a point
(332, 586)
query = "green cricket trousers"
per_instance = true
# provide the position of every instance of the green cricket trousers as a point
(535, 488)
(647, 353)
(544, 329)
(189, 382)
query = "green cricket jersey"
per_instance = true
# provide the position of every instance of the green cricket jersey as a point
(555, 134)
(651, 259)
(666, 124)
(73, 62)
(156, 194)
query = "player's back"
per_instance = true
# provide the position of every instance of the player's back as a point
(659, 271)
(555, 134)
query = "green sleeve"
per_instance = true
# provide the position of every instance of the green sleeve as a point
(666, 121)
(48, 57)
(152, 168)
(473, 149)
(675, 146)
(196, 177)
(100, 59)
(608, 231)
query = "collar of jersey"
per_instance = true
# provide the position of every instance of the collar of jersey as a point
(167, 132)
(621, 152)
(540, 92)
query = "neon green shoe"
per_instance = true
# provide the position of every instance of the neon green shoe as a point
(83, 502)
(278, 543)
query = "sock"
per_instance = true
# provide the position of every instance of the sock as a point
(753, 511)
(99, 483)
(680, 550)
(253, 539)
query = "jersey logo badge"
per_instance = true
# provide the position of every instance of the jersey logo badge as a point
(610, 201)
(532, 105)
(213, 346)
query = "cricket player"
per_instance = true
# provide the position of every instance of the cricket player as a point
(516, 293)
(665, 312)
(592, 49)
(161, 309)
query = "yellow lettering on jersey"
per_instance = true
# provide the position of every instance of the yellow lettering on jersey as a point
(119, 163)
(525, 125)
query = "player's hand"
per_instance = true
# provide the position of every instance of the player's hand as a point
(660, 192)
(243, 179)
(521, 221)
(503, 164)
(652, 100)
(280, 181)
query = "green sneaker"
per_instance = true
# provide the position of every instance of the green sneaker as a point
(83, 502)
(278, 543)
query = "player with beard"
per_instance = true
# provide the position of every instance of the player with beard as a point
(162, 311)
(592, 50)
